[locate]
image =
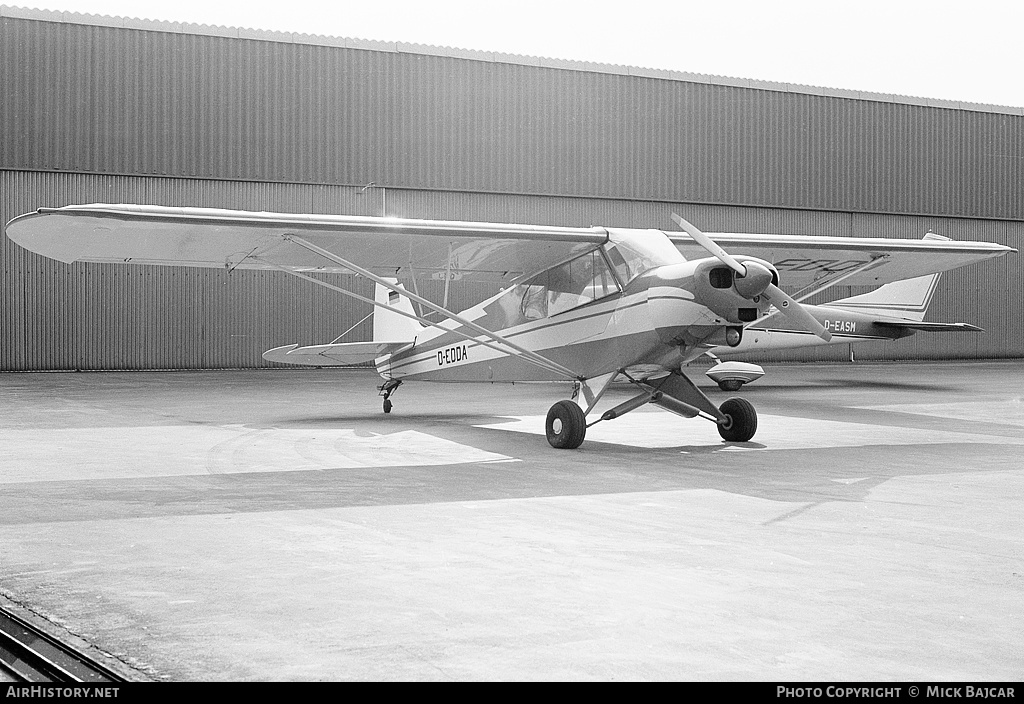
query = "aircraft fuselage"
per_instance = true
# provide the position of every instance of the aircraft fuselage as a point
(845, 326)
(655, 321)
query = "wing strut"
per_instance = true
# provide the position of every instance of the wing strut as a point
(818, 287)
(510, 347)
(825, 284)
(431, 323)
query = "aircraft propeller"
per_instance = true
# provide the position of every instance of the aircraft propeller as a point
(753, 279)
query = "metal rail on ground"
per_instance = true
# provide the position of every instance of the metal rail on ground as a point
(28, 654)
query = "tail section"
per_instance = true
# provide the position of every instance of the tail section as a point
(392, 333)
(908, 299)
(389, 326)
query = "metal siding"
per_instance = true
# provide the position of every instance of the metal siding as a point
(115, 100)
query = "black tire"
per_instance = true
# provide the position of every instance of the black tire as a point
(566, 425)
(387, 405)
(730, 385)
(741, 420)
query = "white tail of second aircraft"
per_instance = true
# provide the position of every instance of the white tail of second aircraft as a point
(908, 299)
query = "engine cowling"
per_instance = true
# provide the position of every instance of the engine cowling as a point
(737, 299)
(693, 301)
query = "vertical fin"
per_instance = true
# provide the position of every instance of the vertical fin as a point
(393, 327)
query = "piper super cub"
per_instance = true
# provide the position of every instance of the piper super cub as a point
(586, 305)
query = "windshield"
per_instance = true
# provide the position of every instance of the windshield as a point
(632, 252)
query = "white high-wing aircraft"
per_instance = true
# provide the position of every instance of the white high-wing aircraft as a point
(586, 305)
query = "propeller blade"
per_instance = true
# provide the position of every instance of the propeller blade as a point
(788, 307)
(712, 248)
(795, 312)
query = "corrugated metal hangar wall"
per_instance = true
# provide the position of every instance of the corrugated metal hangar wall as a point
(113, 110)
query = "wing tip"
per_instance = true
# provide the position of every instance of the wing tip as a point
(278, 354)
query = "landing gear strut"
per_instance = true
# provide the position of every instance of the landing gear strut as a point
(386, 389)
(567, 425)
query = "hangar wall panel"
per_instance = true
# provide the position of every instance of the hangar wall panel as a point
(101, 99)
(90, 316)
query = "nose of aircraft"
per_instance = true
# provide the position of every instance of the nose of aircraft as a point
(754, 282)
(786, 305)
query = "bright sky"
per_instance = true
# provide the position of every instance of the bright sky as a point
(969, 51)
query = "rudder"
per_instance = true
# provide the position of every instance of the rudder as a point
(389, 326)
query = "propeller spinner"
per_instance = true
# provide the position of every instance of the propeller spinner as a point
(753, 279)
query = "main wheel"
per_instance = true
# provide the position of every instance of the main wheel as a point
(387, 405)
(566, 425)
(741, 420)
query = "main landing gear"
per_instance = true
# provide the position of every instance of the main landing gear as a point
(741, 420)
(386, 389)
(566, 425)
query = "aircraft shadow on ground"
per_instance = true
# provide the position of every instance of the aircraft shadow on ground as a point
(852, 384)
(385, 422)
(887, 385)
(800, 477)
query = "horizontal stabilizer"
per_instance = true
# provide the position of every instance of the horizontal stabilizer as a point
(337, 355)
(928, 327)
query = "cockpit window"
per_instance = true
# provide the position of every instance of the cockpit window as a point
(568, 286)
(633, 252)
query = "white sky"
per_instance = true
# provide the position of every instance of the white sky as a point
(969, 51)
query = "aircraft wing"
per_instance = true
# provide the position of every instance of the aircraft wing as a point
(205, 237)
(806, 261)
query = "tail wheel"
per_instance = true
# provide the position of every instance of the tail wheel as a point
(389, 387)
(566, 425)
(740, 420)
